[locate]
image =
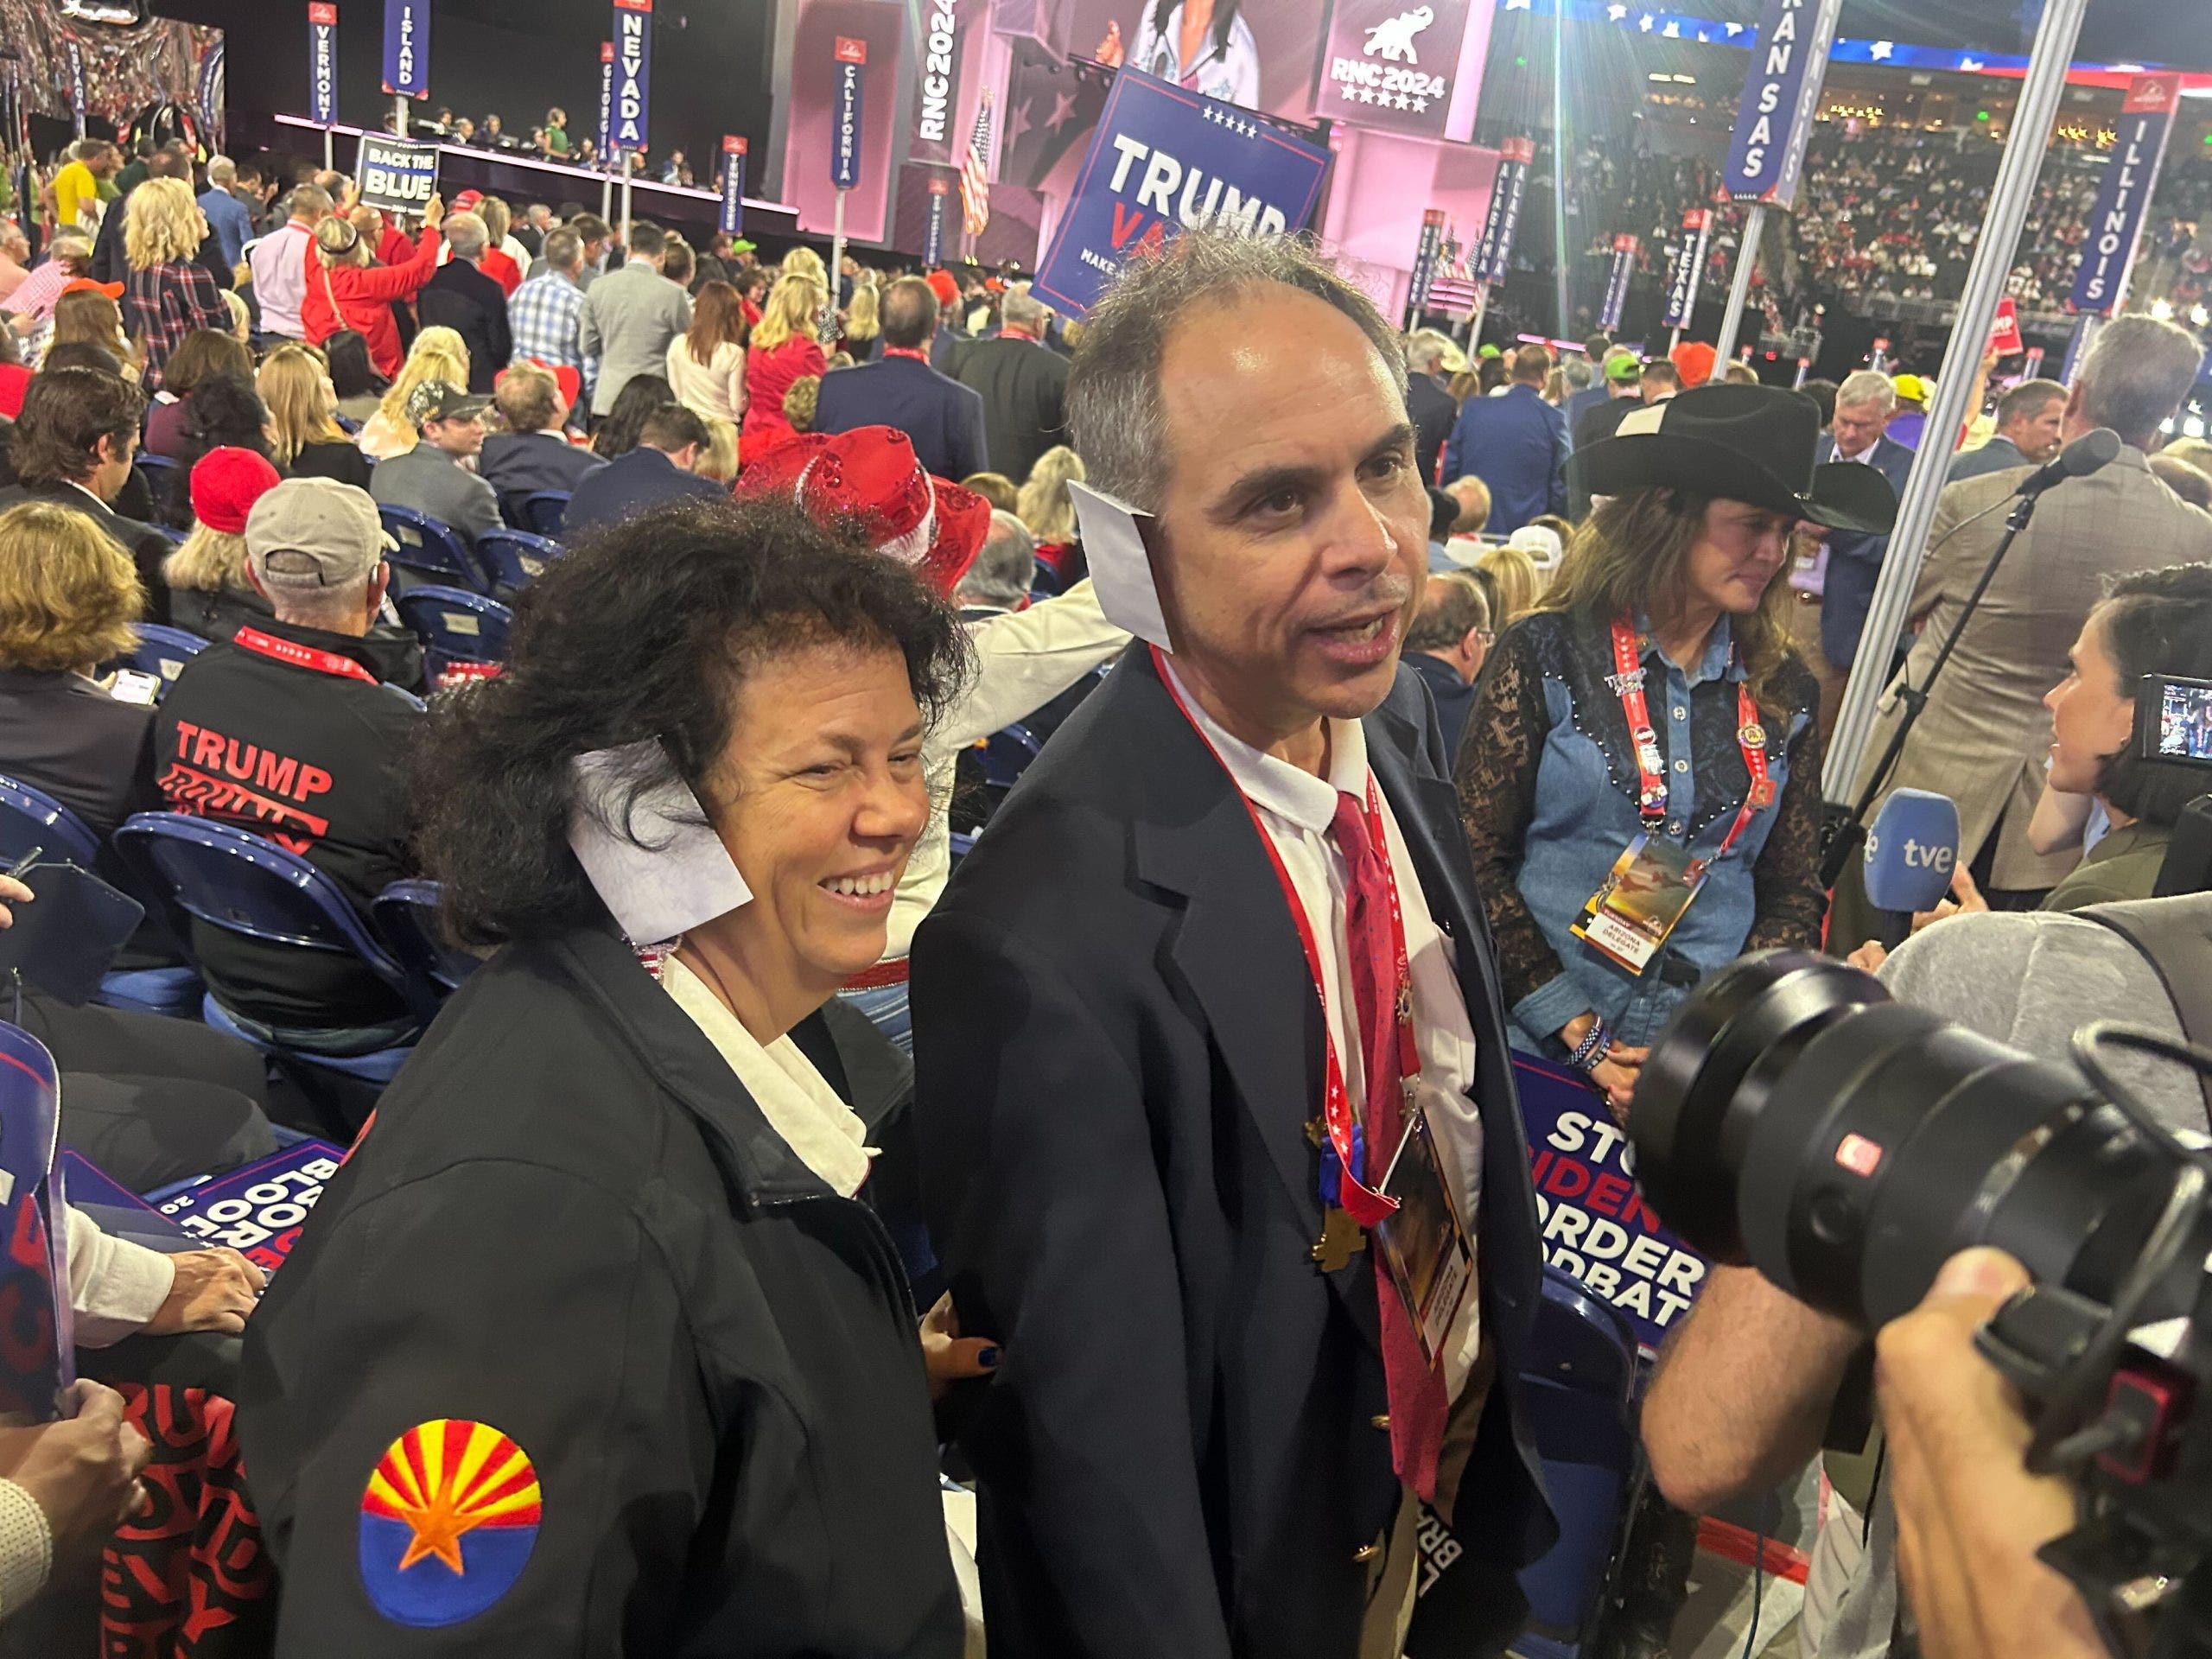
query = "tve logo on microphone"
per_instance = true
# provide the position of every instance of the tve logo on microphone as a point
(1911, 849)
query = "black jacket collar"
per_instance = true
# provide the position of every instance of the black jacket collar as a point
(1237, 948)
(758, 1164)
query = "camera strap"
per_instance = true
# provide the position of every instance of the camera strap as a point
(2175, 936)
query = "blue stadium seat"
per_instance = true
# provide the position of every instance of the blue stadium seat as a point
(543, 511)
(244, 885)
(1006, 756)
(407, 917)
(30, 817)
(1577, 1390)
(163, 651)
(428, 548)
(160, 470)
(512, 559)
(169, 533)
(456, 627)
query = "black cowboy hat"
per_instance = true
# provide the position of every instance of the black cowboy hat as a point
(1741, 443)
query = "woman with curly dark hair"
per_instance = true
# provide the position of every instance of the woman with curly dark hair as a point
(640, 395)
(597, 1345)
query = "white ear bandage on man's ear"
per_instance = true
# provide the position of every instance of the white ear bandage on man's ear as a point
(1121, 569)
(670, 871)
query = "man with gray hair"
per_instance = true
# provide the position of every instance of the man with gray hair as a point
(285, 732)
(1985, 737)
(1024, 384)
(1211, 1000)
(999, 579)
(228, 219)
(471, 304)
(1426, 400)
(279, 262)
(545, 315)
(1854, 559)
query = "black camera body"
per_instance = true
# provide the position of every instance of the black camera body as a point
(1795, 1118)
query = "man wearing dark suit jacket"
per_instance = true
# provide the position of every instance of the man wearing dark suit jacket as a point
(1215, 1413)
(1023, 383)
(74, 444)
(468, 301)
(944, 419)
(1426, 401)
(1863, 404)
(2030, 419)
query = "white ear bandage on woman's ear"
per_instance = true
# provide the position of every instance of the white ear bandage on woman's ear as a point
(670, 871)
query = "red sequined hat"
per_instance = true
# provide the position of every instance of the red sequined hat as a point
(870, 481)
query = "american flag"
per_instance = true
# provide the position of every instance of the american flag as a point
(975, 183)
(1452, 289)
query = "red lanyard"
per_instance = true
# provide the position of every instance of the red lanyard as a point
(905, 351)
(1341, 1182)
(299, 656)
(1652, 769)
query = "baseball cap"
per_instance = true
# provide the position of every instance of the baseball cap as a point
(1622, 367)
(1489, 351)
(441, 400)
(1911, 388)
(468, 201)
(85, 284)
(742, 245)
(319, 532)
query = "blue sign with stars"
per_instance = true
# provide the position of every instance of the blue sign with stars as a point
(1164, 158)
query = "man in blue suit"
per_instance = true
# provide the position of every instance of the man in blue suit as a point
(944, 419)
(655, 473)
(1863, 404)
(1516, 443)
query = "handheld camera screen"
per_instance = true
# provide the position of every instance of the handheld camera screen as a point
(2176, 720)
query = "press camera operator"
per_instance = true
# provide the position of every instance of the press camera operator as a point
(1745, 1390)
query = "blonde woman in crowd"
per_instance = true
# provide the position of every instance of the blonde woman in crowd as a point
(862, 329)
(1001, 492)
(717, 458)
(304, 435)
(1514, 584)
(783, 350)
(1044, 503)
(437, 354)
(170, 294)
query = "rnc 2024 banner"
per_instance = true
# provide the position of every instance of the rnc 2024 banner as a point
(1164, 158)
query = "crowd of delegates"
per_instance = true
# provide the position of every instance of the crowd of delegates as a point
(1885, 213)
(826, 533)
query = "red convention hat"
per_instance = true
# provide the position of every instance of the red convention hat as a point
(871, 481)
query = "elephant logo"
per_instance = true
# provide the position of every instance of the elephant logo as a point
(1393, 38)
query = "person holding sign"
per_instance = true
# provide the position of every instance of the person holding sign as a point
(345, 291)
(1640, 778)
(1216, 1107)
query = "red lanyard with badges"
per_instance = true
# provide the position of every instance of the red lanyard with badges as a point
(1651, 884)
(1343, 1138)
(1410, 1207)
(300, 656)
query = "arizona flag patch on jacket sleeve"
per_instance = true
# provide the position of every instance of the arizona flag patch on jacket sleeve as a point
(448, 1519)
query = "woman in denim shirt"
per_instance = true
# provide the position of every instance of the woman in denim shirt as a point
(1701, 497)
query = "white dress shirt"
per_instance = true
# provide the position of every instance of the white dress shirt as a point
(1298, 810)
(280, 278)
(115, 1286)
(800, 1106)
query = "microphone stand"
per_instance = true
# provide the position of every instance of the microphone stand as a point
(1843, 830)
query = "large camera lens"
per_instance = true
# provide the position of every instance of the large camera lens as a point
(1793, 1116)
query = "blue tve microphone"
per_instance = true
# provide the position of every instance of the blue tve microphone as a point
(1912, 847)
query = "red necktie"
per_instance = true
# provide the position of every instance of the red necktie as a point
(1418, 1406)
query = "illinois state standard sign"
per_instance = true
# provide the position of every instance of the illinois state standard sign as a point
(1164, 159)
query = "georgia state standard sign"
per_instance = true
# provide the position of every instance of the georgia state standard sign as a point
(1163, 159)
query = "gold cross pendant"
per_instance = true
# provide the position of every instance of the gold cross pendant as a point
(1341, 1239)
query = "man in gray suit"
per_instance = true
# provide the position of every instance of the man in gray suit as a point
(630, 317)
(2029, 418)
(1986, 734)
(430, 478)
